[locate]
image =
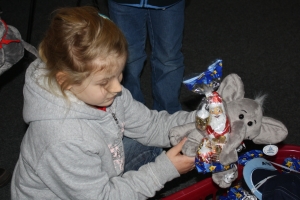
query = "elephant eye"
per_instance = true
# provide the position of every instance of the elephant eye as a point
(250, 123)
(241, 116)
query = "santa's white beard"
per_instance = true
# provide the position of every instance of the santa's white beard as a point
(218, 123)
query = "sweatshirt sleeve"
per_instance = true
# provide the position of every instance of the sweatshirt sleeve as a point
(151, 127)
(72, 172)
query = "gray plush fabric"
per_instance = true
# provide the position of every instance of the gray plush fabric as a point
(11, 46)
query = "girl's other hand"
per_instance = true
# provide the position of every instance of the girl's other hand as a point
(182, 163)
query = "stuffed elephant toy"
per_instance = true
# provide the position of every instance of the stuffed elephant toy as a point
(12, 46)
(247, 123)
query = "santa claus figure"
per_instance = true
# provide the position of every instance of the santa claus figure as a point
(218, 121)
(219, 125)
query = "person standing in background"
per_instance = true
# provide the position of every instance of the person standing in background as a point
(163, 21)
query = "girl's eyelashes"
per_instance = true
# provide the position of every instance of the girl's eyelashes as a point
(103, 83)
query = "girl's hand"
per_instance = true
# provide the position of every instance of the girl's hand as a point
(182, 163)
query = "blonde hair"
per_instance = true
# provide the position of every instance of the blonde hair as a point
(75, 38)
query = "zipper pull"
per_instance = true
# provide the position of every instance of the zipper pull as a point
(115, 118)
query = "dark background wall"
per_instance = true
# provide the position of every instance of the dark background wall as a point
(258, 40)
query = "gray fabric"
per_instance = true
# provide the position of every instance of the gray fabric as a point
(11, 53)
(74, 151)
(264, 130)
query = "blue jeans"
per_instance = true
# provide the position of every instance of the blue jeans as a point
(165, 31)
(137, 154)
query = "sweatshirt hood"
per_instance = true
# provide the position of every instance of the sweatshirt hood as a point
(42, 104)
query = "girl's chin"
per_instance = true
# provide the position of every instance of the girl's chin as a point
(108, 103)
(104, 104)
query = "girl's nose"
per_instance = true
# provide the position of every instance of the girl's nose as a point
(115, 86)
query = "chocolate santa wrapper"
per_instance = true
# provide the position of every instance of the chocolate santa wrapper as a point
(207, 158)
(211, 118)
(206, 81)
(213, 123)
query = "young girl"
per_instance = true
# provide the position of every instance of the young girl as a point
(78, 113)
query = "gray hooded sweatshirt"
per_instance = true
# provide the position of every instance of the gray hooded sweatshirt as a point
(73, 151)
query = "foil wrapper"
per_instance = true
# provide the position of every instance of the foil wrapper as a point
(211, 118)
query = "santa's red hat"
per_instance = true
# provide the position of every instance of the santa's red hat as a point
(215, 100)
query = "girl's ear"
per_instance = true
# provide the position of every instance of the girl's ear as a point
(61, 77)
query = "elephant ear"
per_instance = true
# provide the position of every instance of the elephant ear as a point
(272, 131)
(231, 88)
